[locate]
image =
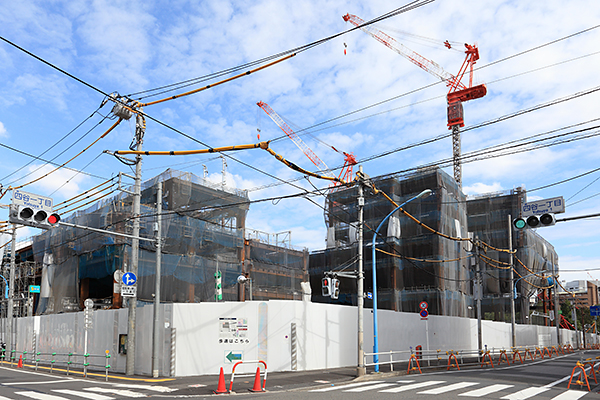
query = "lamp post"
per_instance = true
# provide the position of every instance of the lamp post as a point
(424, 193)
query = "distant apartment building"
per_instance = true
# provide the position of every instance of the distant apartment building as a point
(581, 293)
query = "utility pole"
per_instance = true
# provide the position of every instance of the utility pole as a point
(156, 325)
(557, 315)
(140, 128)
(512, 284)
(11, 293)
(360, 300)
(574, 317)
(479, 295)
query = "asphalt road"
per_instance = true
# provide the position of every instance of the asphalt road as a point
(539, 379)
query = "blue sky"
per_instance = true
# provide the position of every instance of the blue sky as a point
(127, 47)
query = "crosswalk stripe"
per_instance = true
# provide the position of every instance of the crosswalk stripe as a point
(372, 387)
(4, 398)
(570, 395)
(411, 386)
(154, 388)
(486, 390)
(449, 388)
(351, 385)
(525, 393)
(118, 392)
(85, 395)
(40, 396)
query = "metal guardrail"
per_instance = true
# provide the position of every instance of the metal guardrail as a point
(456, 358)
(52, 360)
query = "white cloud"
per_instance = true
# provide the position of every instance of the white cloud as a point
(3, 132)
(480, 188)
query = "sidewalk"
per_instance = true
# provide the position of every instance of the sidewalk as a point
(205, 384)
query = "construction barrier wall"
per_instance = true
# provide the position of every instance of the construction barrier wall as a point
(207, 336)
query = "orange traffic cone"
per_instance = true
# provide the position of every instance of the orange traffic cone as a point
(20, 363)
(257, 386)
(221, 389)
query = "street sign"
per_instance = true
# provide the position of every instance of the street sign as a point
(35, 201)
(423, 305)
(594, 311)
(370, 295)
(424, 313)
(128, 291)
(555, 205)
(34, 288)
(118, 275)
(129, 279)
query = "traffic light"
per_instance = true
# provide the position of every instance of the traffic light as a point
(534, 221)
(335, 288)
(24, 215)
(218, 287)
(326, 287)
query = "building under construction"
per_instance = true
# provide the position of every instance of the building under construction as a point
(489, 220)
(416, 265)
(203, 230)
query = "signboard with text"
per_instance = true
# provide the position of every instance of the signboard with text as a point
(555, 205)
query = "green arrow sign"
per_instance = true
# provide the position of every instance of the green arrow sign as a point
(234, 356)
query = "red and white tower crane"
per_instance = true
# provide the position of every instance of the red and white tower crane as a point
(349, 159)
(458, 92)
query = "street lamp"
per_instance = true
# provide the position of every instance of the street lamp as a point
(424, 193)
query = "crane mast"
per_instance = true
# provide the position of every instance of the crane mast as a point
(458, 92)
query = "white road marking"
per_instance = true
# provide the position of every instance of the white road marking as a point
(486, 390)
(40, 396)
(90, 396)
(351, 385)
(118, 392)
(449, 388)
(372, 387)
(161, 389)
(587, 370)
(570, 395)
(41, 382)
(525, 393)
(411, 386)
(4, 398)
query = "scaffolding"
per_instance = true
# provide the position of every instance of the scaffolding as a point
(203, 230)
(419, 265)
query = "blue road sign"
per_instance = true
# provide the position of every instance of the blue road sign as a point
(34, 288)
(424, 313)
(369, 295)
(129, 279)
(595, 311)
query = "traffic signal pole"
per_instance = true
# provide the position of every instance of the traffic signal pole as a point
(512, 284)
(11, 294)
(140, 127)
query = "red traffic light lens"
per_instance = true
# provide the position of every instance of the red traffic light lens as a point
(53, 219)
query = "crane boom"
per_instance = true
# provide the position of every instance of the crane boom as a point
(412, 56)
(295, 138)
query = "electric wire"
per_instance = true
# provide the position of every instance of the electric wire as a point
(54, 145)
